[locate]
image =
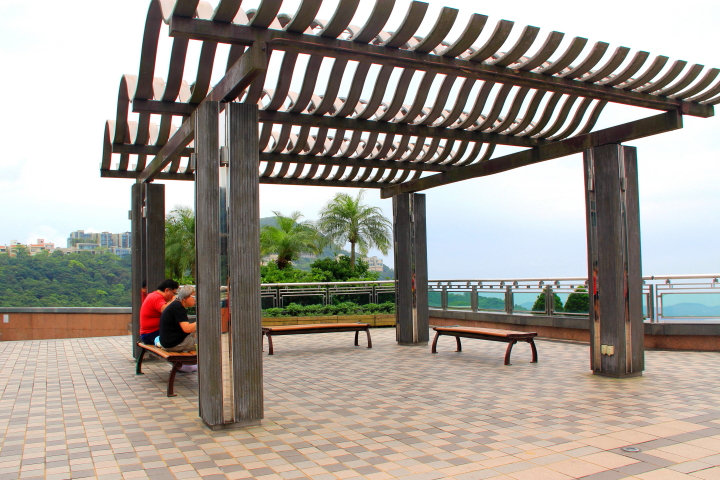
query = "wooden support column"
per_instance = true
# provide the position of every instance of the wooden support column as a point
(244, 261)
(137, 275)
(207, 258)
(411, 269)
(154, 247)
(614, 269)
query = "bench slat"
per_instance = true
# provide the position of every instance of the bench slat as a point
(495, 332)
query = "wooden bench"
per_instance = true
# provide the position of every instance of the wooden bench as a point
(177, 359)
(269, 332)
(508, 336)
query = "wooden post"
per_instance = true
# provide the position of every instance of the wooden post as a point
(411, 269)
(207, 260)
(154, 218)
(136, 258)
(614, 269)
(244, 262)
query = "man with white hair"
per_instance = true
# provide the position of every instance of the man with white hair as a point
(176, 330)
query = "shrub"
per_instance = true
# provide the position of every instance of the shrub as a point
(539, 305)
(344, 308)
(578, 301)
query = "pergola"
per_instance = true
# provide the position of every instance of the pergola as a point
(377, 109)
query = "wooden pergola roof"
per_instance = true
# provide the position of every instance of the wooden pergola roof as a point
(453, 102)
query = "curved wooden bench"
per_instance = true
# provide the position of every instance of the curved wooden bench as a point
(177, 359)
(269, 332)
(496, 335)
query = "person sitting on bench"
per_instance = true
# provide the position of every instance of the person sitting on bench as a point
(176, 330)
(153, 307)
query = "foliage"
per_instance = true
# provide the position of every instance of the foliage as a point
(289, 239)
(345, 308)
(340, 270)
(180, 244)
(578, 301)
(57, 280)
(321, 270)
(539, 305)
(345, 219)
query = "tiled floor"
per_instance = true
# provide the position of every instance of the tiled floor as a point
(74, 408)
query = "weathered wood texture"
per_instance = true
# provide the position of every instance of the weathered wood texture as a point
(645, 127)
(243, 259)
(614, 260)
(207, 253)
(410, 269)
(154, 220)
(136, 279)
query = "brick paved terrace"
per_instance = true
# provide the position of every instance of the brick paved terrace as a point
(74, 408)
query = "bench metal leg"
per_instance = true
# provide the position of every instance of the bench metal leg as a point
(534, 350)
(357, 332)
(459, 345)
(138, 363)
(434, 345)
(508, 351)
(367, 331)
(270, 344)
(171, 380)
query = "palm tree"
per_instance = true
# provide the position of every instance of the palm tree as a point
(180, 242)
(346, 219)
(289, 239)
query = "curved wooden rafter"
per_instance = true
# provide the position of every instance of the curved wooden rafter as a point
(412, 117)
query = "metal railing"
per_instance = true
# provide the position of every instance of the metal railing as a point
(664, 296)
(326, 293)
(673, 297)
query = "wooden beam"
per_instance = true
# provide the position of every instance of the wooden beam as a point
(251, 64)
(267, 180)
(209, 30)
(646, 127)
(243, 223)
(163, 108)
(145, 149)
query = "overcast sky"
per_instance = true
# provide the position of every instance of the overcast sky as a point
(62, 63)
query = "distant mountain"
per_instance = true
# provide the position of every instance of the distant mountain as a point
(691, 310)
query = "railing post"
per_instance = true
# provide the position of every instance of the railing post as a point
(474, 298)
(549, 301)
(651, 304)
(509, 302)
(444, 298)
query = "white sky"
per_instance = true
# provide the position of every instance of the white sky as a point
(61, 67)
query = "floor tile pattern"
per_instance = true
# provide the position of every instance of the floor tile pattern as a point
(74, 408)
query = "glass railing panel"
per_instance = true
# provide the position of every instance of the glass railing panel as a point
(528, 302)
(383, 297)
(361, 298)
(690, 305)
(459, 300)
(491, 301)
(572, 302)
(300, 299)
(435, 298)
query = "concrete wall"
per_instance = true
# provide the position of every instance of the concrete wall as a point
(51, 323)
(664, 336)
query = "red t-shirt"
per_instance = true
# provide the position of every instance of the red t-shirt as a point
(150, 313)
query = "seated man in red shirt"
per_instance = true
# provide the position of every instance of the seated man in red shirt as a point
(153, 307)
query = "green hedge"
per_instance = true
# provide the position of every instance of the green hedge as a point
(345, 308)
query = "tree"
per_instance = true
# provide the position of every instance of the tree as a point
(578, 301)
(289, 239)
(539, 305)
(346, 219)
(180, 243)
